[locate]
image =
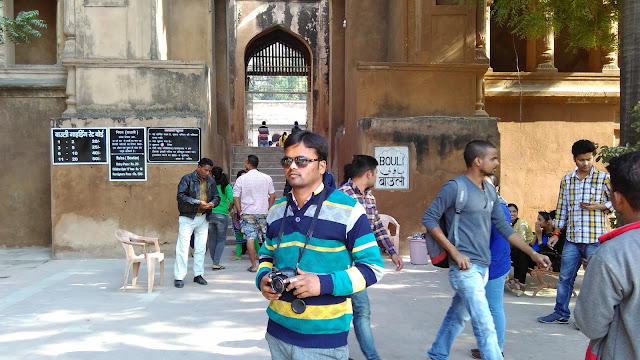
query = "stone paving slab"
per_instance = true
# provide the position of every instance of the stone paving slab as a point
(75, 309)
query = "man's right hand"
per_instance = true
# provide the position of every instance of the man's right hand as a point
(266, 289)
(553, 240)
(463, 261)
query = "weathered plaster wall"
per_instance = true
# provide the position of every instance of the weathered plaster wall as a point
(536, 148)
(143, 88)
(119, 29)
(87, 208)
(307, 20)
(407, 59)
(27, 102)
(188, 30)
(436, 145)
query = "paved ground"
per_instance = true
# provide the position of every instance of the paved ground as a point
(74, 309)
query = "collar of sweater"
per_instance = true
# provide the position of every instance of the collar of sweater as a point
(619, 231)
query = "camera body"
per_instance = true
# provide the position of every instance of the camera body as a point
(278, 276)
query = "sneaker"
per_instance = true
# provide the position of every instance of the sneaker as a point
(553, 319)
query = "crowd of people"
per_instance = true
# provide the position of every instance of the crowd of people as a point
(316, 249)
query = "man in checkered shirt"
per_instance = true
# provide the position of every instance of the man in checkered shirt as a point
(583, 205)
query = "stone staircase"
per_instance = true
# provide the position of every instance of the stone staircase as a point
(269, 164)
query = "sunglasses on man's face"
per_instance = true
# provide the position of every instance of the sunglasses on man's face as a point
(301, 161)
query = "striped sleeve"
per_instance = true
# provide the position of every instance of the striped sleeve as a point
(362, 244)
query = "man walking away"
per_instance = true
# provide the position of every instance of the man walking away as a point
(263, 135)
(253, 195)
(197, 195)
(318, 233)
(295, 128)
(583, 204)
(607, 307)
(469, 259)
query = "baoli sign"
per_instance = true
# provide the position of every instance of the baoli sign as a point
(393, 167)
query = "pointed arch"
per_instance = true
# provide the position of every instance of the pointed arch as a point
(277, 52)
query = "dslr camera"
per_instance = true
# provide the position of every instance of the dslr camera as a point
(278, 276)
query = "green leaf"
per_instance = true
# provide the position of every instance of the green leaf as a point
(23, 28)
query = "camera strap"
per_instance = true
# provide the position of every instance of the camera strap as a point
(321, 197)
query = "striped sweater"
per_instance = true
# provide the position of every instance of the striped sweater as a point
(342, 236)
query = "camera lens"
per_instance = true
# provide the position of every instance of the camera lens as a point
(278, 285)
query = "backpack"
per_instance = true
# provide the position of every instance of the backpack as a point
(437, 254)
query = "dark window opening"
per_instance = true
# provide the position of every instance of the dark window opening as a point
(41, 50)
(508, 51)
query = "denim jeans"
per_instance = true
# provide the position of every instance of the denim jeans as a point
(218, 224)
(281, 350)
(362, 324)
(495, 292)
(572, 256)
(188, 226)
(469, 302)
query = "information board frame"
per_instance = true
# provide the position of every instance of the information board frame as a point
(128, 156)
(393, 167)
(176, 129)
(86, 131)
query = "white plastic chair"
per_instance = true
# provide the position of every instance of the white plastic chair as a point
(134, 259)
(386, 219)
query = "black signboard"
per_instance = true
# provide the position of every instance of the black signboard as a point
(79, 146)
(127, 154)
(171, 145)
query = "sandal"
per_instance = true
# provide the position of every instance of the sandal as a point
(250, 269)
(217, 267)
(236, 258)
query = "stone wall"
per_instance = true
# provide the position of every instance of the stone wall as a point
(28, 99)
(436, 145)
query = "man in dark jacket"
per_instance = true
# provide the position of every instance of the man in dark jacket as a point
(197, 195)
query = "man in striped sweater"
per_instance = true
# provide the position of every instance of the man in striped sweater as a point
(321, 251)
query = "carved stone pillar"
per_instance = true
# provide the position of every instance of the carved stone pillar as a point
(70, 53)
(8, 51)
(69, 29)
(609, 57)
(544, 53)
(1, 45)
(481, 31)
(480, 96)
(487, 26)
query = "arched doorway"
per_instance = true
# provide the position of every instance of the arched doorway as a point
(277, 83)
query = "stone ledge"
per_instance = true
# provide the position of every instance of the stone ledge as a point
(564, 87)
(33, 77)
(119, 63)
(446, 67)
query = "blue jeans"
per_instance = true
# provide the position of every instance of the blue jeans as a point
(495, 292)
(572, 256)
(281, 350)
(218, 224)
(469, 302)
(362, 324)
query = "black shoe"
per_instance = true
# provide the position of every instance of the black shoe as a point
(178, 283)
(200, 280)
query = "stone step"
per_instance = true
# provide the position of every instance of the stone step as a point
(247, 150)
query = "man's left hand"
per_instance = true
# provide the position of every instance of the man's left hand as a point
(592, 206)
(304, 284)
(397, 260)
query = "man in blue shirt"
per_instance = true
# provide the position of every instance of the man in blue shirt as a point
(469, 259)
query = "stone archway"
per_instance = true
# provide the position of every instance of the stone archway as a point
(278, 83)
